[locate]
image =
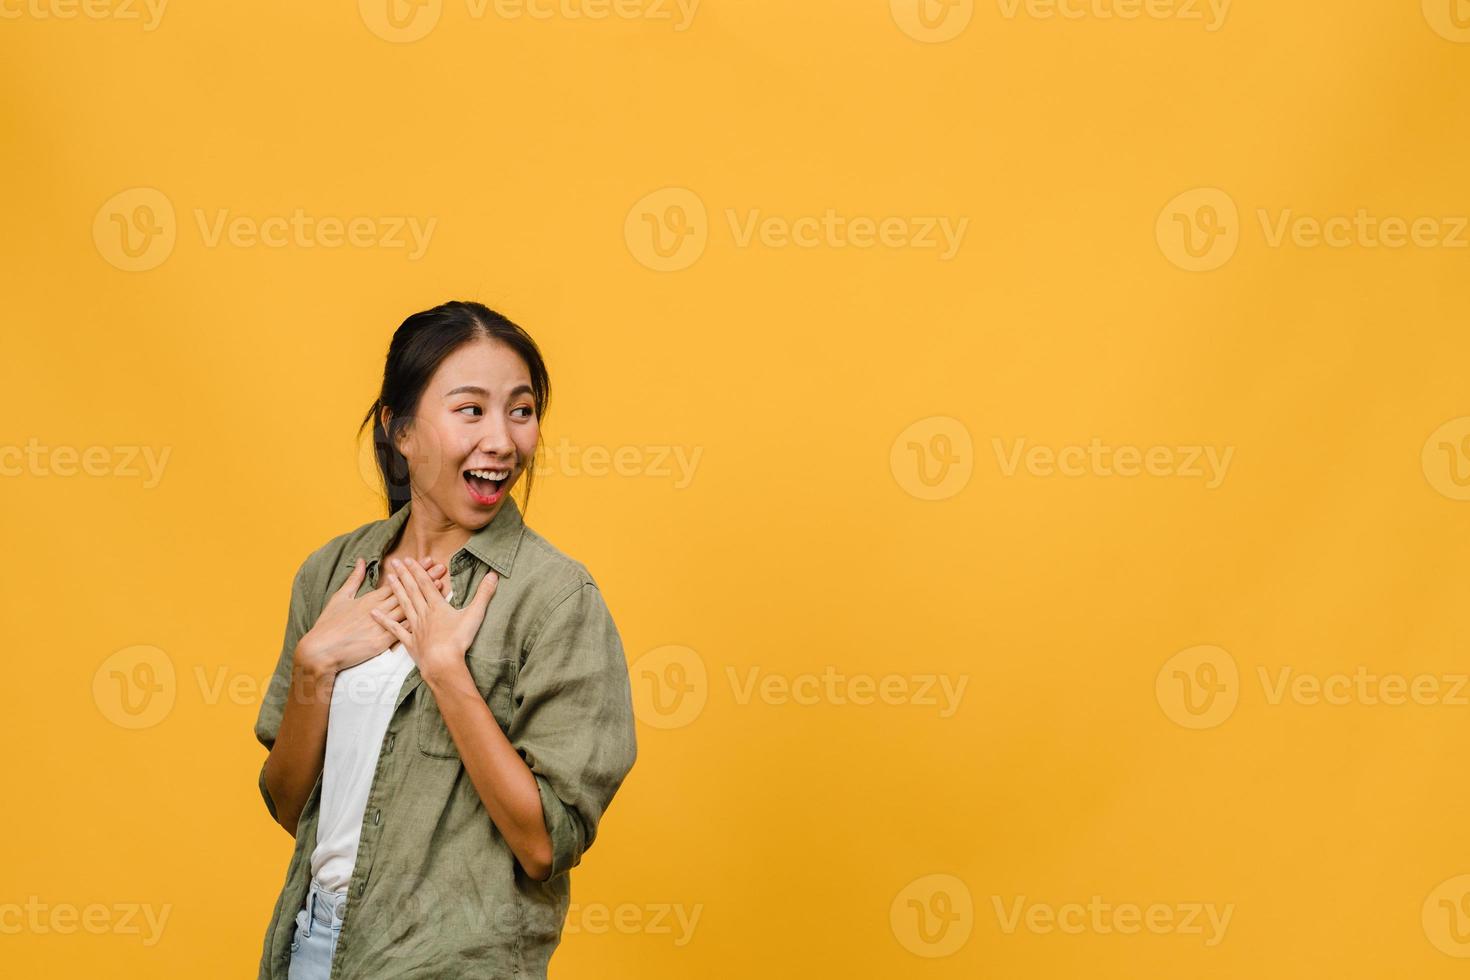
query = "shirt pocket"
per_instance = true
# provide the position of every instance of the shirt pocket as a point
(495, 680)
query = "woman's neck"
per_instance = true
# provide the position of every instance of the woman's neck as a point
(428, 533)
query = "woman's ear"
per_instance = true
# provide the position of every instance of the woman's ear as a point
(385, 419)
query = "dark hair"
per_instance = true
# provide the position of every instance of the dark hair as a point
(419, 346)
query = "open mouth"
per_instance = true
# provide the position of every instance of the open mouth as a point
(486, 486)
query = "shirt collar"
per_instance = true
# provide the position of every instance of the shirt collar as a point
(495, 544)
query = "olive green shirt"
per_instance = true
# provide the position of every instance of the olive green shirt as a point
(436, 891)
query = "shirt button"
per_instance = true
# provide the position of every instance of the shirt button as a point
(388, 745)
(377, 817)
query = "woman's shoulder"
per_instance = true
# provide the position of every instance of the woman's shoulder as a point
(547, 568)
(318, 568)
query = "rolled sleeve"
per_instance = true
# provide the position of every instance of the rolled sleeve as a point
(268, 719)
(573, 724)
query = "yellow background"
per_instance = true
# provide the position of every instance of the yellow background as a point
(804, 836)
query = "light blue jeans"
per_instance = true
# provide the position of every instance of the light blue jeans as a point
(317, 927)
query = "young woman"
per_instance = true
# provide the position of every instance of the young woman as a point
(442, 759)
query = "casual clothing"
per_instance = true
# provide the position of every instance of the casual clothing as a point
(362, 706)
(317, 927)
(434, 888)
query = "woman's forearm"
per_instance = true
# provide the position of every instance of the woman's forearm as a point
(296, 758)
(505, 784)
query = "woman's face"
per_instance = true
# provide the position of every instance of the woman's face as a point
(474, 433)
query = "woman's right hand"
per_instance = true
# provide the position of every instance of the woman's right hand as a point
(345, 633)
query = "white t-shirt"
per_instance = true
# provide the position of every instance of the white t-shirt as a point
(363, 699)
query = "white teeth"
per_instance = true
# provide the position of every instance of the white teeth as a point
(490, 474)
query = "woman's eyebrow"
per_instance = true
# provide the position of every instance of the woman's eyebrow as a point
(477, 390)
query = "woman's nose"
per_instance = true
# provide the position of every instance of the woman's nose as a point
(495, 440)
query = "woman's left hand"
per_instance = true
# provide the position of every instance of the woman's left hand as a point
(435, 634)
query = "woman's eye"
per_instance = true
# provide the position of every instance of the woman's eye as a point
(524, 408)
(470, 408)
